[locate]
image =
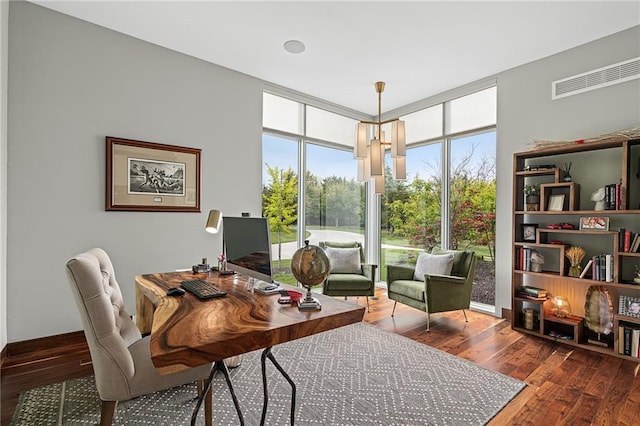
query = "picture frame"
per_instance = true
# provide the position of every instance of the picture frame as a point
(151, 177)
(528, 232)
(594, 223)
(629, 306)
(556, 203)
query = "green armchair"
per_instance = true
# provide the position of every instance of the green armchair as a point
(435, 293)
(349, 275)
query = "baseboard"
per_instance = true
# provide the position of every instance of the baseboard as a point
(506, 314)
(3, 356)
(43, 360)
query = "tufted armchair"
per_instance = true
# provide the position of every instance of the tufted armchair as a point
(435, 292)
(120, 355)
(349, 275)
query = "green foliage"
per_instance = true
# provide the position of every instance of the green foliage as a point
(280, 201)
(411, 212)
(533, 189)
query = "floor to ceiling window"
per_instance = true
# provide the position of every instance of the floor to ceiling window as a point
(328, 204)
(447, 200)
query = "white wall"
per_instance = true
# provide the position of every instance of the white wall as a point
(4, 49)
(527, 113)
(73, 83)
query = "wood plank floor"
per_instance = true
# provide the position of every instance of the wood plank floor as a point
(566, 385)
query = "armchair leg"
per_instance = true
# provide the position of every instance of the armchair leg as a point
(394, 307)
(107, 410)
(465, 316)
(368, 310)
(428, 321)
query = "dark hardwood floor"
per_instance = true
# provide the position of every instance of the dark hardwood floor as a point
(566, 385)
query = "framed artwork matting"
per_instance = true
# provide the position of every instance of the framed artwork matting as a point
(153, 177)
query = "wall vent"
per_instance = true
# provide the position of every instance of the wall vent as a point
(601, 77)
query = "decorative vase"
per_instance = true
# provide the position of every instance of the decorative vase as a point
(575, 270)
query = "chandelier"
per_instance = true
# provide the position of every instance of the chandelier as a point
(370, 152)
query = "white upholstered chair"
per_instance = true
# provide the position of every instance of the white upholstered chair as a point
(120, 355)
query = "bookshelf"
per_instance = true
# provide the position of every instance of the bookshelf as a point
(560, 223)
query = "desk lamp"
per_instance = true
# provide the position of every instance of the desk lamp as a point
(214, 222)
(213, 226)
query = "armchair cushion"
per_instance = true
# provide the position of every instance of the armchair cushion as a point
(344, 260)
(439, 264)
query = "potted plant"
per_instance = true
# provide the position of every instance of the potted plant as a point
(532, 196)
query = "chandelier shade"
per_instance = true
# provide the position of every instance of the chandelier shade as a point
(370, 147)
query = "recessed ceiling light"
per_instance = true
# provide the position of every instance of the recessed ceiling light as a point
(294, 46)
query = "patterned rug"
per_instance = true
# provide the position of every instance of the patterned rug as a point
(354, 375)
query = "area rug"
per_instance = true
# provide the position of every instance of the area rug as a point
(353, 375)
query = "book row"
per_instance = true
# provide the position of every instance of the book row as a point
(614, 197)
(600, 267)
(629, 241)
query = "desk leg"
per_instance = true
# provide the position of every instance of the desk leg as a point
(267, 354)
(144, 312)
(217, 366)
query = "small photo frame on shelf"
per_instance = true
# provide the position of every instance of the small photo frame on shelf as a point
(629, 306)
(528, 232)
(556, 203)
(594, 223)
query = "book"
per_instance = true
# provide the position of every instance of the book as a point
(635, 341)
(627, 241)
(587, 269)
(534, 291)
(530, 297)
(627, 341)
(636, 243)
(621, 339)
(608, 268)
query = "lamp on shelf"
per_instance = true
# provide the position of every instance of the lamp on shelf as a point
(560, 306)
(370, 152)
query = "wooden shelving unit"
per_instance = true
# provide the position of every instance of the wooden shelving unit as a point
(621, 156)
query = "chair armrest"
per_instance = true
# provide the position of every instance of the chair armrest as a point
(399, 272)
(369, 271)
(447, 292)
(449, 280)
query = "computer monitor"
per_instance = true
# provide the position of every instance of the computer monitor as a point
(248, 246)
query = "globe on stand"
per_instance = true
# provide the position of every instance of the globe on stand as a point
(310, 265)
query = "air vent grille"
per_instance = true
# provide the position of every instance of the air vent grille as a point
(591, 80)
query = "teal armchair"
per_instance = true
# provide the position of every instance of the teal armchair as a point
(435, 293)
(355, 278)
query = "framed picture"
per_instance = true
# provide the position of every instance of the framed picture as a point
(629, 306)
(153, 177)
(594, 223)
(556, 203)
(528, 232)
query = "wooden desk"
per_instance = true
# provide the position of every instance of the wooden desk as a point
(187, 332)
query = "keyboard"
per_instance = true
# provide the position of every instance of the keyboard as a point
(202, 289)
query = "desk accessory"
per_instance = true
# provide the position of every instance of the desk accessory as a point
(310, 265)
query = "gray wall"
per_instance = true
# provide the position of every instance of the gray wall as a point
(71, 83)
(527, 113)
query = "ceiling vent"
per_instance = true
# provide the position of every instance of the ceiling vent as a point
(591, 80)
